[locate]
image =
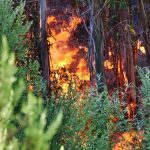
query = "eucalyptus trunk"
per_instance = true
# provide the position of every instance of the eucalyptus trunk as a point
(129, 69)
(146, 29)
(44, 51)
(98, 35)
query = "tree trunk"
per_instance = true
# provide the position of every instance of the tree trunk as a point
(98, 35)
(130, 72)
(146, 29)
(44, 51)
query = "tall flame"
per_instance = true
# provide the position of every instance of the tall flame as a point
(64, 53)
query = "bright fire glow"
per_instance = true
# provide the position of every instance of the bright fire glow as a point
(129, 141)
(140, 47)
(122, 70)
(142, 50)
(108, 64)
(110, 53)
(66, 54)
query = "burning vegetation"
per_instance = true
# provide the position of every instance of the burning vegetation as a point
(68, 56)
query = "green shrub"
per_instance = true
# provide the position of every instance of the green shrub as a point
(88, 123)
(144, 110)
(97, 122)
(31, 119)
(14, 24)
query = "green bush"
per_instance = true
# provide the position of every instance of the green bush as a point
(31, 119)
(88, 123)
(144, 110)
(14, 24)
(97, 122)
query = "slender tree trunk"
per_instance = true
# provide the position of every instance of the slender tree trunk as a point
(130, 72)
(146, 29)
(99, 43)
(44, 50)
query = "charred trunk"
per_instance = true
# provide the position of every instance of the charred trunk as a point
(44, 51)
(98, 35)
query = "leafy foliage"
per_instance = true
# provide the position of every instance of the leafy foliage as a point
(89, 122)
(144, 111)
(32, 119)
(101, 122)
(14, 24)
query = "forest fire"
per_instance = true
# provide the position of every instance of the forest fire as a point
(74, 74)
(66, 57)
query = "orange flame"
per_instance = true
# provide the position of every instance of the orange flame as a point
(122, 70)
(64, 54)
(142, 50)
(140, 47)
(108, 64)
(129, 141)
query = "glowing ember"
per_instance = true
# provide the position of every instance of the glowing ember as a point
(131, 108)
(80, 69)
(142, 50)
(65, 87)
(140, 47)
(129, 141)
(108, 64)
(110, 53)
(65, 54)
(125, 77)
(121, 69)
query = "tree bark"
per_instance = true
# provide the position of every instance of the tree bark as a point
(98, 35)
(44, 51)
(130, 72)
(146, 29)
